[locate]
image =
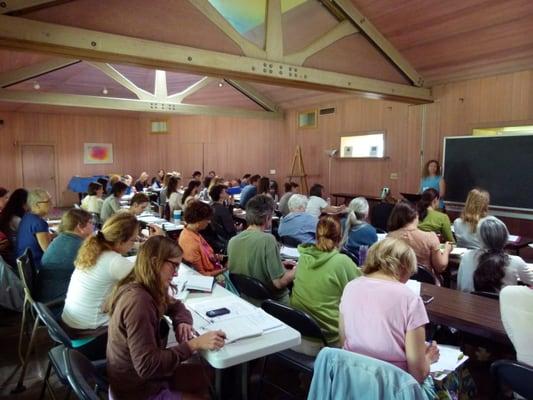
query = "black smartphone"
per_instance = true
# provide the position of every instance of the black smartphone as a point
(217, 312)
(426, 298)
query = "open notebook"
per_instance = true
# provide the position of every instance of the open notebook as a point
(450, 359)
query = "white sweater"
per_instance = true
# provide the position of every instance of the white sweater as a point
(88, 291)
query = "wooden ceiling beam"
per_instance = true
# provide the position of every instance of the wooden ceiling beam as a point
(253, 95)
(196, 86)
(343, 29)
(248, 48)
(365, 26)
(20, 6)
(274, 31)
(118, 77)
(33, 71)
(20, 33)
(110, 103)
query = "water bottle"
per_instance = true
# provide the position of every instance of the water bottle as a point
(176, 215)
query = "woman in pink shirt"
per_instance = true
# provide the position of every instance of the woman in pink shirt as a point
(380, 317)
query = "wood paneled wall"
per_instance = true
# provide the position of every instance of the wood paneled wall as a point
(230, 145)
(233, 146)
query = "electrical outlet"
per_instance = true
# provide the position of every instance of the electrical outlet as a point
(394, 175)
(272, 172)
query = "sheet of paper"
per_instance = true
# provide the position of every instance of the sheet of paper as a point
(263, 320)
(237, 308)
(236, 329)
(459, 251)
(450, 359)
(381, 236)
(414, 286)
(289, 252)
(514, 238)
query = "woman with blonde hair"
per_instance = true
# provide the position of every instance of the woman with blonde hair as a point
(358, 232)
(100, 264)
(382, 318)
(138, 364)
(321, 275)
(465, 227)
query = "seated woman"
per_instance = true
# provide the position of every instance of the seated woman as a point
(358, 232)
(317, 205)
(403, 224)
(138, 203)
(138, 363)
(431, 220)
(516, 305)
(10, 218)
(321, 275)
(157, 181)
(142, 183)
(489, 269)
(4, 197)
(33, 231)
(263, 187)
(465, 227)
(222, 221)
(196, 250)
(191, 193)
(58, 260)
(380, 317)
(173, 194)
(298, 225)
(100, 264)
(111, 204)
(93, 201)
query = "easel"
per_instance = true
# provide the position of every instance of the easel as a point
(298, 170)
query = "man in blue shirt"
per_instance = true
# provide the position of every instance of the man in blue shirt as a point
(249, 191)
(298, 224)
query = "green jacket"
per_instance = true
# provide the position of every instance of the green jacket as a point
(318, 286)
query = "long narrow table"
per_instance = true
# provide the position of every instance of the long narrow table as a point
(467, 312)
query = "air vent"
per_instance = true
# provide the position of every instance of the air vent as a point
(158, 127)
(326, 111)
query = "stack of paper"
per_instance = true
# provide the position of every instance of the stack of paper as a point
(289, 252)
(200, 282)
(458, 251)
(514, 238)
(450, 359)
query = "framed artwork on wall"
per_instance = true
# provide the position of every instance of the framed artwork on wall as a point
(98, 153)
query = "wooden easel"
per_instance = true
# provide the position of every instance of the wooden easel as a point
(298, 170)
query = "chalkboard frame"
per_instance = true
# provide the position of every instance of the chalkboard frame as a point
(475, 138)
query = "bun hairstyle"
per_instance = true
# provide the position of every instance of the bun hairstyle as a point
(492, 260)
(119, 228)
(328, 233)
(425, 201)
(146, 272)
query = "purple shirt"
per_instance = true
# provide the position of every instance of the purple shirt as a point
(377, 314)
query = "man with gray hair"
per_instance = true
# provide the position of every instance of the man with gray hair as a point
(255, 253)
(298, 224)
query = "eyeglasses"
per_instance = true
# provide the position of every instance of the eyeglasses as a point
(176, 265)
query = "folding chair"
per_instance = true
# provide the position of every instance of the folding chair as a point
(83, 376)
(250, 287)
(515, 375)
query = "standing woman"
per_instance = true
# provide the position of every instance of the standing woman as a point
(432, 179)
(138, 364)
(100, 264)
(431, 220)
(33, 231)
(465, 227)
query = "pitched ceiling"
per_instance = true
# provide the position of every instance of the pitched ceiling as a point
(443, 41)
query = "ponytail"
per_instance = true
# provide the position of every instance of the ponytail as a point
(328, 233)
(425, 201)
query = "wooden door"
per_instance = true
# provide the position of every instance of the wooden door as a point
(38, 168)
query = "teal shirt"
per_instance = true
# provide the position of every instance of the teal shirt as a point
(256, 254)
(320, 280)
(439, 223)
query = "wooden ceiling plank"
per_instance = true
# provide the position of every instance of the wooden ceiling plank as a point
(20, 33)
(8, 6)
(118, 77)
(343, 29)
(274, 31)
(33, 71)
(361, 22)
(253, 95)
(110, 103)
(178, 97)
(248, 48)
(160, 85)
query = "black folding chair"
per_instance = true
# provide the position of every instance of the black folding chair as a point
(250, 287)
(83, 377)
(423, 275)
(289, 241)
(304, 324)
(517, 376)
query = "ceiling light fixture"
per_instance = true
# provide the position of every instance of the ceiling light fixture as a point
(220, 84)
(105, 91)
(36, 85)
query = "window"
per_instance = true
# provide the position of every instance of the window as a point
(371, 145)
(307, 119)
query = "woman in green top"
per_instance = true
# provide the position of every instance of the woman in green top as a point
(432, 220)
(321, 275)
